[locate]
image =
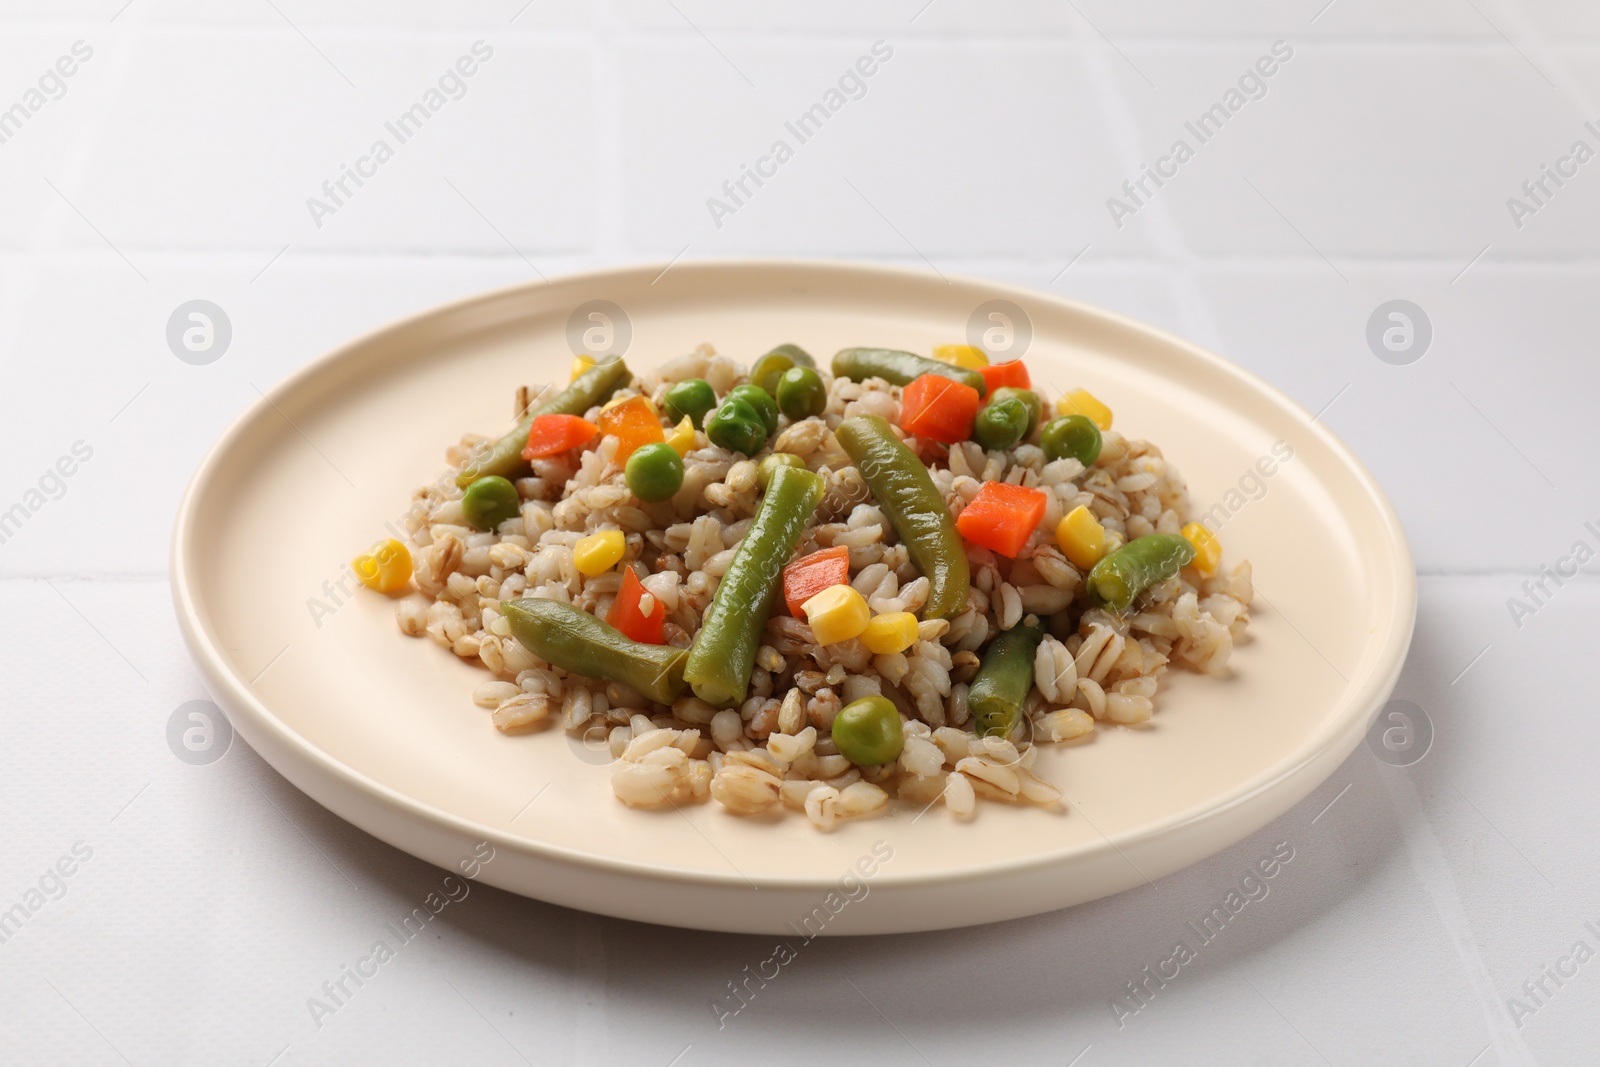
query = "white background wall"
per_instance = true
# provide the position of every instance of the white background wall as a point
(1377, 166)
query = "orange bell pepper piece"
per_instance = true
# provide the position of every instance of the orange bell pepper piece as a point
(634, 424)
(551, 435)
(810, 575)
(1002, 517)
(1000, 375)
(939, 408)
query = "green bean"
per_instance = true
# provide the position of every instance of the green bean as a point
(801, 393)
(901, 484)
(772, 462)
(899, 368)
(1029, 398)
(576, 641)
(1001, 423)
(724, 651)
(762, 401)
(769, 367)
(1071, 436)
(1122, 575)
(868, 731)
(590, 389)
(692, 397)
(1001, 686)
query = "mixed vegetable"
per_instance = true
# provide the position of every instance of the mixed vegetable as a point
(955, 397)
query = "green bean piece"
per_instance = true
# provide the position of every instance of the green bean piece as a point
(769, 367)
(590, 389)
(724, 651)
(692, 397)
(801, 393)
(490, 501)
(1000, 424)
(1028, 397)
(654, 472)
(576, 641)
(762, 401)
(868, 731)
(772, 462)
(1004, 677)
(1122, 575)
(899, 368)
(1071, 437)
(737, 426)
(902, 486)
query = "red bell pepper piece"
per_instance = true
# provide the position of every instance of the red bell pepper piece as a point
(1002, 517)
(939, 408)
(626, 615)
(551, 435)
(810, 575)
(1000, 375)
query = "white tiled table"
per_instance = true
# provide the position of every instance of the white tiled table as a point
(208, 903)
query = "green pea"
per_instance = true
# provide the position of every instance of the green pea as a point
(773, 461)
(1028, 397)
(1000, 424)
(737, 426)
(654, 472)
(490, 501)
(765, 371)
(762, 401)
(868, 732)
(692, 397)
(801, 393)
(1072, 437)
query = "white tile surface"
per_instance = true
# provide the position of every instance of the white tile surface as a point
(217, 899)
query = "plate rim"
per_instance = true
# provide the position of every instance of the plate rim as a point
(234, 694)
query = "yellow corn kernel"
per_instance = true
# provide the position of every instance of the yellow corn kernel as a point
(887, 634)
(1207, 549)
(1083, 402)
(579, 365)
(386, 569)
(682, 436)
(599, 552)
(836, 614)
(961, 355)
(1081, 538)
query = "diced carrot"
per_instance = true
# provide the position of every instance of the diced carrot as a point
(1002, 517)
(999, 375)
(810, 575)
(550, 435)
(634, 423)
(627, 616)
(939, 408)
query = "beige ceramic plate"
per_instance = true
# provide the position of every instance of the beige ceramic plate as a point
(381, 729)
